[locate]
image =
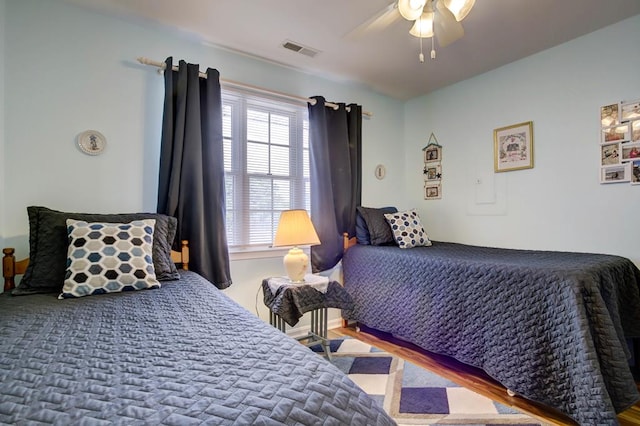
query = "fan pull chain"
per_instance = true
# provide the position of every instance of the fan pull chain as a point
(433, 47)
(421, 56)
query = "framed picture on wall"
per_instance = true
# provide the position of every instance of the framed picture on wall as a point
(615, 174)
(609, 115)
(610, 154)
(433, 153)
(433, 172)
(617, 133)
(635, 130)
(432, 192)
(630, 152)
(513, 147)
(630, 110)
(635, 173)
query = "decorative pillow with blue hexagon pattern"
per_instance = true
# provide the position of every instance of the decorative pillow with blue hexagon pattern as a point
(109, 258)
(407, 229)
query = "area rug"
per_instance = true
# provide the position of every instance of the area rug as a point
(415, 396)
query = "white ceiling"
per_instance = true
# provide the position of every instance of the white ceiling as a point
(496, 32)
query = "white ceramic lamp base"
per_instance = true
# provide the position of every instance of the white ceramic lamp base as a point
(296, 263)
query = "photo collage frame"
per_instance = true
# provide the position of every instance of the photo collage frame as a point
(432, 170)
(620, 142)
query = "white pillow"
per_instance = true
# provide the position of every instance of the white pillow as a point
(407, 229)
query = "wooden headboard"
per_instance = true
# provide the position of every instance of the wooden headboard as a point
(348, 242)
(181, 257)
(12, 267)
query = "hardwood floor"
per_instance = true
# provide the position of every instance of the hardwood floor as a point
(472, 378)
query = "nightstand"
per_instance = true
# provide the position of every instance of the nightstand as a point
(288, 302)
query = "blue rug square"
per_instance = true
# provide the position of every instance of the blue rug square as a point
(424, 401)
(334, 345)
(373, 365)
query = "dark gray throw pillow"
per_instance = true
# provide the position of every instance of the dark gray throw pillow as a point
(379, 230)
(48, 245)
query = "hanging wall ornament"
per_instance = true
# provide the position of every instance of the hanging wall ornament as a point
(432, 170)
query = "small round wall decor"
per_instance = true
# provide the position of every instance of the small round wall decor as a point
(92, 142)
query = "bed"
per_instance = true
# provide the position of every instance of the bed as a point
(179, 353)
(549, 326)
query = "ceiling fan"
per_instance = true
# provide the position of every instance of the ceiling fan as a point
(435, 19)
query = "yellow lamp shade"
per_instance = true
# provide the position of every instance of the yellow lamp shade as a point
(294, 229)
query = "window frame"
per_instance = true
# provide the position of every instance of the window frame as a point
(240, 102)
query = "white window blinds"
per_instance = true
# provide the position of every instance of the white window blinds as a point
(266, 159)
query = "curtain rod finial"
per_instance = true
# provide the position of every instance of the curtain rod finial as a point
(147, 61)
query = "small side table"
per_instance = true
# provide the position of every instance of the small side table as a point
(289, 302)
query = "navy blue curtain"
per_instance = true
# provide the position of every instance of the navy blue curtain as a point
(191, 181)
(335, 145)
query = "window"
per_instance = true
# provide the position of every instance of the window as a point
(266, 161)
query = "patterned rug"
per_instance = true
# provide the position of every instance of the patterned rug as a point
(415, 396)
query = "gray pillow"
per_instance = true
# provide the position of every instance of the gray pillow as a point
(48, 244)
(379, 230)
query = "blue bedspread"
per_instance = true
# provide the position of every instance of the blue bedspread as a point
(180, 355)
(550, 326)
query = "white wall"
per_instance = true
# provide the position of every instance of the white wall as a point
(69, 70)
(2, 128)
(559, 204)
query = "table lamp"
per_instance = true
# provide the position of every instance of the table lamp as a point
(295, 229)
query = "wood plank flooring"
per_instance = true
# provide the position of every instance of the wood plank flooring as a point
(472, 378)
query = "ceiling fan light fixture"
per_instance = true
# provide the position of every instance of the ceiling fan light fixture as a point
(445, 27)
(459, 8)
(411, 9)
(423, 27)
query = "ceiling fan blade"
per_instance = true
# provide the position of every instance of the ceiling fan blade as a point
(377, 22)
(445, 26)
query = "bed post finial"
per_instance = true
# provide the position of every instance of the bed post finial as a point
(184, 249)
(8, 268)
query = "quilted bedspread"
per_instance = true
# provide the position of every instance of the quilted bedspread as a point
(550, 326)
(180, 355)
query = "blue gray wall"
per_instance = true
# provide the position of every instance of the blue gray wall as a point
(68, 70)
(559, 204)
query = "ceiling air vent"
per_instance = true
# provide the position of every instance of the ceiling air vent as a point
(298, 48)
